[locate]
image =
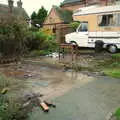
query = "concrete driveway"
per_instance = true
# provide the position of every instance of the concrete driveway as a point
(91, 100)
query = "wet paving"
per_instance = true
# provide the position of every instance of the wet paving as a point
(88, 98)
(78, 96)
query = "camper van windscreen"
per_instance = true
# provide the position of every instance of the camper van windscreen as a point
(83, 27)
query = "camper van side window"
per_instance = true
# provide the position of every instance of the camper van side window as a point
(107, 20)
(118, 20)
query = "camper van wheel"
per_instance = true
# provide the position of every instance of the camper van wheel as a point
(112, 48)
(98, 46)
(73, 43)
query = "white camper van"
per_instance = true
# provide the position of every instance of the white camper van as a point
(97, 24)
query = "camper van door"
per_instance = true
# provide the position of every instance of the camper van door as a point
(81, 37)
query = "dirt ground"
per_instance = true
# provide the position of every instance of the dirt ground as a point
(52, 78)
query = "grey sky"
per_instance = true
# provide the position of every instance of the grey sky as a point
(31, 5)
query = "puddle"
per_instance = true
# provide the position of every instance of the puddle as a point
(44, 68)
(39, 83)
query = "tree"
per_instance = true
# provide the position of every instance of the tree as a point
(42, 14)
(34, 15)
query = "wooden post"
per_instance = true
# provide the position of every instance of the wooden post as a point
(72, 52)
(76, 52)
(59, 52)
(63, 52)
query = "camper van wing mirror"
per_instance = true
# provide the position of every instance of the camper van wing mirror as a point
(76, 30)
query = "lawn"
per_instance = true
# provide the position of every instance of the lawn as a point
(113, 72)
(117, 114)
(113, 69)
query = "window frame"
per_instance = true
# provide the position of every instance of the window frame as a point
(80, 26)
(108, 26)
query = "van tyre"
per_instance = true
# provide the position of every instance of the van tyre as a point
(99, 46)
(73, 43)
(112, 48)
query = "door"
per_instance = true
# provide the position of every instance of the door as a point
(82, 34)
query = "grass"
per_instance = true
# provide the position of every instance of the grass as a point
(113, 72)
(113, 66)
(117, 55)
(9, 102)
(117, 114)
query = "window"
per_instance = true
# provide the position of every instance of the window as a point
(107, 20)
(54, 30)
(118, 20)
(83, 27)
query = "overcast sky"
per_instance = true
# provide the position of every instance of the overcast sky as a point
(34, 5)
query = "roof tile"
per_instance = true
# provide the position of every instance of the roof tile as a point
(4, 10)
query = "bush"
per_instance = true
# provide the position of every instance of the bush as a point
(9, 106)
(35, 53)
(74, 25)
(47, 31)
(13, 34)
(41, 43)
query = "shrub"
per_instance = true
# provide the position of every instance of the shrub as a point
(9, 106)
(13, 33)
(41, 43)
(74, 25)
(47, 31)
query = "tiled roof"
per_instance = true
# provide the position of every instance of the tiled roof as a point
(64, 15)
(70, 1)
(4, 10)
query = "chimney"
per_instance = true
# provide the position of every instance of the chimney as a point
(10, 4)
(19, 4)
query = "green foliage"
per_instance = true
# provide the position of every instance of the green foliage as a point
(117, 113)
(34, 29)
(13, 34)
(36, 53)
(111, 67)
(116, 56)
(34, 15)
(41, 44)
(115, 64)
(42, 13)
(9, 107)
(113, 72)
(38, 18)
(74, 25)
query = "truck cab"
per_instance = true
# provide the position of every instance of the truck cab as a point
(80, 36)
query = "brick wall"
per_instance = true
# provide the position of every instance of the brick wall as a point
(51, 19)
(77, 5)
(61, 31)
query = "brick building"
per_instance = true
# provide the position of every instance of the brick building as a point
(57, 16)
(62, 14)
(75, 4)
